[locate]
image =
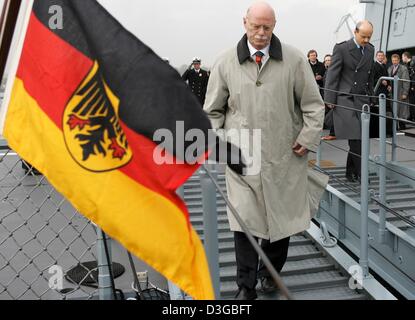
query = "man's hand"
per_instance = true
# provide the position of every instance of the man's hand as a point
(404, 97)
(299, 150)
(230, 154)
(330, 106)
(318, 77)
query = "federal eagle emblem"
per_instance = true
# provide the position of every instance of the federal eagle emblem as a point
(92, 129)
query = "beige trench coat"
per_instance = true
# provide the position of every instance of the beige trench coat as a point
(284, 102)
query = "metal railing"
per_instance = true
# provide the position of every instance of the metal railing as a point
(381, 162)
(46, 246)
(40, 232)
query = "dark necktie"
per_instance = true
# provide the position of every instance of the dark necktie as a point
(362, 50)
(258, 58)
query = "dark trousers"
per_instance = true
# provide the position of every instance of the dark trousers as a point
(353, 158)
(411, 99)
(247, 259)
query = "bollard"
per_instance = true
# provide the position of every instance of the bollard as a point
(210, 226)
(382, 168)
(104, 277)
(364, 192)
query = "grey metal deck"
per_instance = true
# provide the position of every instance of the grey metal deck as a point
(308, 273)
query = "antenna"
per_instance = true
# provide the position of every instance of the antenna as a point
(345, 21)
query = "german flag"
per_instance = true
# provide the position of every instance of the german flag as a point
(86, 102)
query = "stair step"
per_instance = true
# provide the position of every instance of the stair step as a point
(294, 254)
(336, 293)
(229, 246)
(401, 224)
(223, 237)
(197, 186)
(199, 205)
(290, 268)
(222, 227)
(392, 197)
(199, 211)
(310, 281)
(194, 191)
(198, 197)
(198, 220)
(372, 184)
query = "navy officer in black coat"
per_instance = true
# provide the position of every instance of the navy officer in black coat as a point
(197, 79)
(349, 82)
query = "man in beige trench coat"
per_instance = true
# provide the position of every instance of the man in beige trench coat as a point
(264, 84)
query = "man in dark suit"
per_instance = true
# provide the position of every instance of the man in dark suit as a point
(349, 79)
(379, 70)
(318, 68)
(399, 70)
(197, 79)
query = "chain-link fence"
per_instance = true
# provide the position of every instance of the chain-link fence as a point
(47, 248)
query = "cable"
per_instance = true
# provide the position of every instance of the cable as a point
(375, 162)
(348, 93)
(397, 214)
(365, 96)
(371, 113)
(398, 146)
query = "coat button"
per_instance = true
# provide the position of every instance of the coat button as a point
(355, 70)
(258, 83)
(355, 83)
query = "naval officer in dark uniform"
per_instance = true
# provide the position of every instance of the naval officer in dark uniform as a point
(349, 81)
(197, 79)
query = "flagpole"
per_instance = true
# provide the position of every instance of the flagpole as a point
(3, 19)
(8, 21)
(15, 62)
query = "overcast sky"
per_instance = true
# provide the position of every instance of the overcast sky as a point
(182, 29)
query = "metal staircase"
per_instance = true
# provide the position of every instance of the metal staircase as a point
(400, 196)
(309, 274)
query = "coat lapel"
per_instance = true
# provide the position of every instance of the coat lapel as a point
(354, 51)
(364, 59)
(357, 54)
(275, 49)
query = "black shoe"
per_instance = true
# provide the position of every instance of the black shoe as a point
(268, 285)
(246, 294)
(351, 178)
(357, 178)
